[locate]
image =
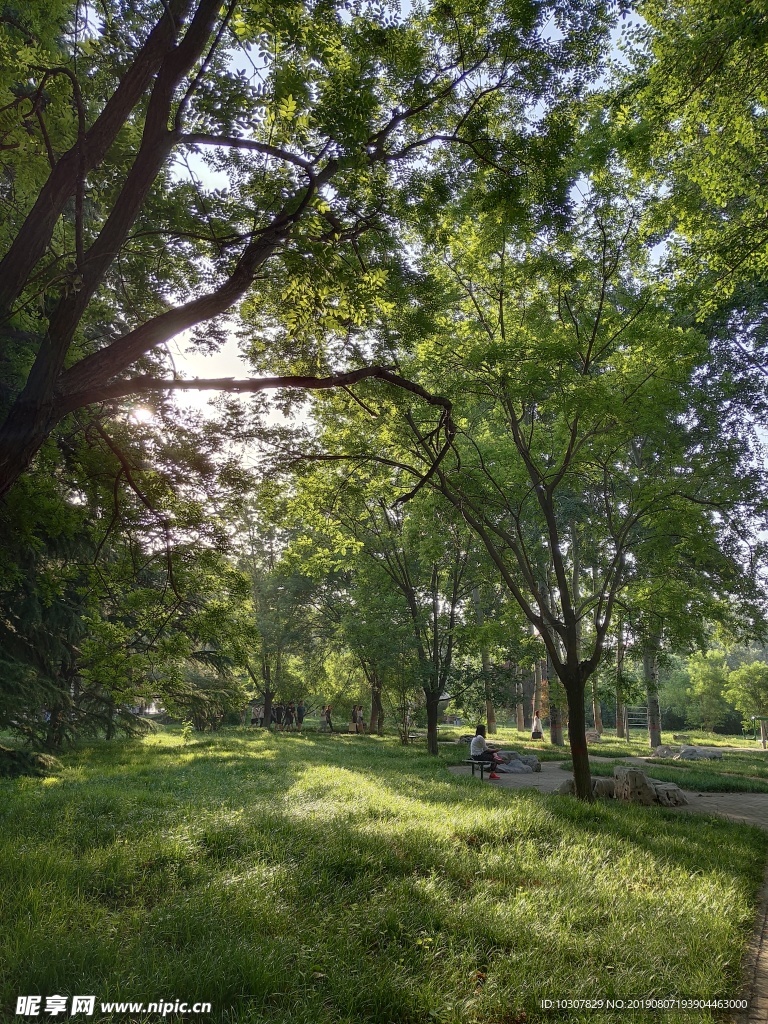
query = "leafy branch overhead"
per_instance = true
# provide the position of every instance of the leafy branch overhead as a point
(168, 163)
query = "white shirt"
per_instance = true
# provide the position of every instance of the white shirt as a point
(477, 746)
(537, 726)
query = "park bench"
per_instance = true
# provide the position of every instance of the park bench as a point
(484, 766)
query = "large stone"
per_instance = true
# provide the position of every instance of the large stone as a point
(515, 768)
(666, 751)
(668, 794)
(592, 736)
(631, 786)
(603, 788)
(512, 756)
(698, 754)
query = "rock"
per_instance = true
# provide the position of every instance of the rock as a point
(687, 754)
(603, 788)
(515, 768)
(666, 751)
(681, 739)
(512, 756)
(697, 754)
(592, 735)
(668, 794)
(632, 786)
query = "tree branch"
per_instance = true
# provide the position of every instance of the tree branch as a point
(143, 384)
(34, 235)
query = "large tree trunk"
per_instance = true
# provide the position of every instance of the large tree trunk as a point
(490, 712)
(651, 674)
(376, 722)
(620, 651)
(577, 725)
(109, 731)
(433, 700)
(596, 710)
(555, 725)
(55, 732)
(555, 711)
(537, 687)
(380, 716)
(520, 705)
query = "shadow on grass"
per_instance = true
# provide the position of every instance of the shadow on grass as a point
(339, 878)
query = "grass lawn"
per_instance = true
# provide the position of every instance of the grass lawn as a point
(609, 745)
(328, 879)
(735, 773)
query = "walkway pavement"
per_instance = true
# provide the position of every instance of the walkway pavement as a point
(749, 808)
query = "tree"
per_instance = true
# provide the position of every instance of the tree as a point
(114, 578)
(576, 434)
(113, 244)
(418, 552)
(689, 117)
(709, 679)
(747, 689)
(280, 598)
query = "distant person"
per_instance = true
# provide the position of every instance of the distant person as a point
(300, 712)
(357, 718)
(327, 714)
(277, 716)
(537, 729)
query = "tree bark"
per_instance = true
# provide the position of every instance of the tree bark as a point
(537, 687)
(520, 706)
(555, 712)
(433, 700)
(376, 723)
(620, 651)
(490, 711)
(574, 688)
(555, 726)
(651, 674)
(596, 710)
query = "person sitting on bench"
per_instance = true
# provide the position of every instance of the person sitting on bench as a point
(479, 749)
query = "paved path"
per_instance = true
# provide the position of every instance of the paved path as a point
(750, 808)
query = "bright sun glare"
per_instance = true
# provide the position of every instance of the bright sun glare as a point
(141, 415)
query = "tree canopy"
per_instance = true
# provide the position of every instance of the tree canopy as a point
(526, 288)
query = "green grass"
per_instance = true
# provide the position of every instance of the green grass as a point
(732, 762)
(609, 745)
(701, 776)
(348, 880)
